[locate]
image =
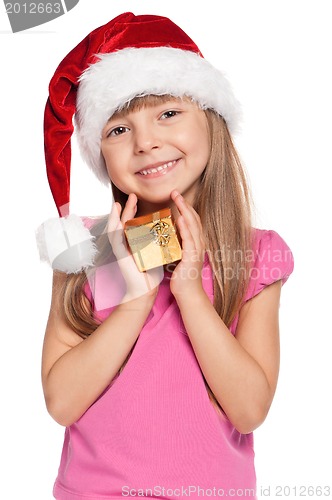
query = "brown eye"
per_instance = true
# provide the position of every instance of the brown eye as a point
(117, 131)
(169, 114)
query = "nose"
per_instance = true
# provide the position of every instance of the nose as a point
(147, 138)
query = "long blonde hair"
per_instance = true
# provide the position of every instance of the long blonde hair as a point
(223, 202)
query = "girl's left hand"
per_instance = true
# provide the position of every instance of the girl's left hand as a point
(187, 277)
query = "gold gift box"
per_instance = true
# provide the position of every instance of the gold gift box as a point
(152, 239)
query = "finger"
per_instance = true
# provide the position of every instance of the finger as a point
(113, 217)
(193, 240)
(193, 251)
(188, 242)
(130, 208)
(197, 217)
(185, 207)
(115, 230)
(192, 221)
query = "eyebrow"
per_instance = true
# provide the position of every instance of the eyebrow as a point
(127, 109)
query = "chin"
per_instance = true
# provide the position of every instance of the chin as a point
(156, 200)
(152, 205)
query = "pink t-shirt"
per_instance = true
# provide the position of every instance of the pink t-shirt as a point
(154, 432)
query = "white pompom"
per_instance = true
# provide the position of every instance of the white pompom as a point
(66, 244)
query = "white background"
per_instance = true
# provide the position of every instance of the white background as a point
(277, 55)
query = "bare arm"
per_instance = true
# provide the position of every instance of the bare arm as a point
(76, 371)
(241, 371)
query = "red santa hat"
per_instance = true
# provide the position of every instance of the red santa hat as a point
(128, 57)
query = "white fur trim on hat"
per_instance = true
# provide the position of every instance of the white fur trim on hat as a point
(118, 77)
(66, 244)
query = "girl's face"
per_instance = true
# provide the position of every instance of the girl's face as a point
(156, 149)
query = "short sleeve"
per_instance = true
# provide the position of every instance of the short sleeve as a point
(272, 261)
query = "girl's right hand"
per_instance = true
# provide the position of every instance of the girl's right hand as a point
(138, 283)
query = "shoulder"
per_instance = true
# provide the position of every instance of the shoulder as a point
(271, 260)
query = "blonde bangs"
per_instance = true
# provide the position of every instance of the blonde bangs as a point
(141, 102)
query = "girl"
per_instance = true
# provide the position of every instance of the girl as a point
(160, 377)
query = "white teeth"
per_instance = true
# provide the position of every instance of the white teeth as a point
(158, 169)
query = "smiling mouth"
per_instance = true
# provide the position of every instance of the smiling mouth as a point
(155, 170)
